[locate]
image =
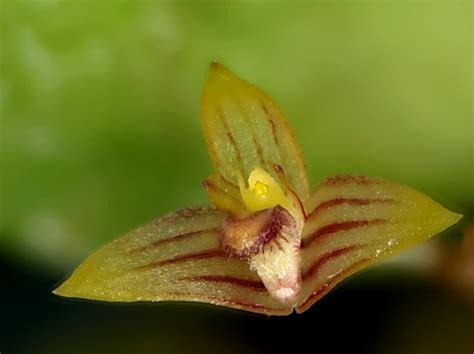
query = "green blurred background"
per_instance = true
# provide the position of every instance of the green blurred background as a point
(100, 133)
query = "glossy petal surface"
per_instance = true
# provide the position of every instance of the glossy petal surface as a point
(244, 128)
(175, 258)
(356, 221)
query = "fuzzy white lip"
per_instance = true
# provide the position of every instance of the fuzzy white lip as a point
(286, 294)
(279, 268)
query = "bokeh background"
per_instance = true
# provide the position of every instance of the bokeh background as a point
(100, 133)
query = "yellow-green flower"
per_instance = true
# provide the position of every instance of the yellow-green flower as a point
(267, 245)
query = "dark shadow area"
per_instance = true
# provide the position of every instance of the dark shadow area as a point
(352, 319)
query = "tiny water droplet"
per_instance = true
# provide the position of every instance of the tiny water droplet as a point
(334, 274)
(392, 242)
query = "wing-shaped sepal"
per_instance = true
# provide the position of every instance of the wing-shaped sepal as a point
(176, 258)
(356, 221)
(225, 195)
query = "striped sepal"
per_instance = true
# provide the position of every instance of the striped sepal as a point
(356, 221)
(244, 128)
(173, 258)
(225, 195)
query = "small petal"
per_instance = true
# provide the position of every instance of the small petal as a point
(225, 195)
(357, 221)
(244, 128)
(175, 258)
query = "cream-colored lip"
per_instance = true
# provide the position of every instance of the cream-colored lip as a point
(279, 264)
(287, 294)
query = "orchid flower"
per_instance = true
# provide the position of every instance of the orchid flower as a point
(267, 245)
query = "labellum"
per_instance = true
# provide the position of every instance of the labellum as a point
(270, 240)
(267, 245)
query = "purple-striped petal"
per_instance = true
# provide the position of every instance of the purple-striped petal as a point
(355, 221)
(175, 258)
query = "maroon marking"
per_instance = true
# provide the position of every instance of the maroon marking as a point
(271, 229)
(337, 227)
(278, 169)
(277, 243)
(183, 258)
(325, 288)
(324, 259)
(281, 174)
(258, 147)
(254, 306)
(255, 285)
(229, 182)
(348, 201)
(259, 150)
(209, 185)
(229, 302)
(272, 123)
(185, 214)
(348, 179)
(300, 203)
(178, 237)
(230, 136)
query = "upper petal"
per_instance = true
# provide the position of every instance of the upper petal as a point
(244, 128)
(174, 258)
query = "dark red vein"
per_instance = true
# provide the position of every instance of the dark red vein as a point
(179, 237)
(250, 125)
(326, 258)
(348, 179)
(183, 258)
(338, 227)
(228, 302)
(187, 213)
(230, 137)
(259, 150)
(272, 123)
(210, 185)
(232, 185)
(348, 201)
(248, 284)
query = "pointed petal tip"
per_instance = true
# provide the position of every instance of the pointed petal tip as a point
(63, 290)
(452, 218)
(218, 70)
(59, 291)
(214, 65)
(442, 216)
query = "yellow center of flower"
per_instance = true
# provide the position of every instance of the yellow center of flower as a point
(261, 189)
(264, 192)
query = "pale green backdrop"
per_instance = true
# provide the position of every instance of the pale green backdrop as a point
(100, 104)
